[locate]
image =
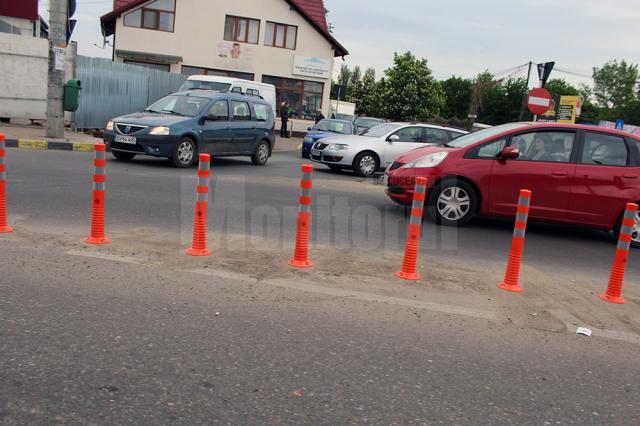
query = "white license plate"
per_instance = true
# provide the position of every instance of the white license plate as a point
(385, 180)
(126, 139)
(315, 152)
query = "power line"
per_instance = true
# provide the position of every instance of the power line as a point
(574, 73)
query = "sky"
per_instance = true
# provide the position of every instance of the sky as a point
(458, 37)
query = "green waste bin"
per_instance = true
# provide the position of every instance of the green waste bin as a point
(72, 95)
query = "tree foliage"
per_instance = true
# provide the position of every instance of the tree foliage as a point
(408, 91)
(615, 84)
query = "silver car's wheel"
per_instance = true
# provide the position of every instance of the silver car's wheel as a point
(365, 164)
(453, 203)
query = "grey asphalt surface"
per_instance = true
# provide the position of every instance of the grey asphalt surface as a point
(94, 341)
(88, 341)
(52, 188)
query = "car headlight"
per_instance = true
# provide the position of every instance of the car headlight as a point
(308, 139)
(337, 147)
(110, 126)
(426, 162)
(161, 130)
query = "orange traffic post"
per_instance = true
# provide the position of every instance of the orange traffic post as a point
(512, 276)
(199, 243)
(616, 278)
(4, 226)
(301, 255)
(408, 271)
(97, 235)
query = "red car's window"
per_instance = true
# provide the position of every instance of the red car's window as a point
(603, 149)
(555, 147)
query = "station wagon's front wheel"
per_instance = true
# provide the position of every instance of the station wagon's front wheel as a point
(261, 154)
(184, 153)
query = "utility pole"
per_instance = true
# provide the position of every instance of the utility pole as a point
(526, 90)
(55, 80)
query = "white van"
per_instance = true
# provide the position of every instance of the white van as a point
(228, 84)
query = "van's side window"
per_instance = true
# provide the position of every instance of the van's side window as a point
(261, 112)
(241, 110)
(220, 111)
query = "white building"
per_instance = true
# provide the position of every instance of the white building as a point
(286, 43)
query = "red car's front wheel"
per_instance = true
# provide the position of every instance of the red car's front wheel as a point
(452, 202)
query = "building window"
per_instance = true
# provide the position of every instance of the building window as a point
(244, 30)
(281, 35)
(155, 15)
(188, 70)
(304, 97)
(152, 65)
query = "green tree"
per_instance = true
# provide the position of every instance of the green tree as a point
(615, 84)
(457, 93)
(366, 104)
(410, 90)
(559, 87)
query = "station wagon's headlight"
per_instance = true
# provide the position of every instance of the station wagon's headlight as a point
(161, 130)
(110, 126)
(308, 139)
(426, 162)
(337, 147)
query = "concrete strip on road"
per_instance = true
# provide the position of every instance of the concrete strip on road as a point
(308, 287)
(105, 256)
(572, 323)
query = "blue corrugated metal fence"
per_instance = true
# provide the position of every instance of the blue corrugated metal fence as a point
(110, 89)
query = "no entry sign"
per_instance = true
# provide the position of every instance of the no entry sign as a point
(539, 101)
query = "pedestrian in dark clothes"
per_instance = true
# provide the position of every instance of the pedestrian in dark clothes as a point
(284, 118)
(319, 116)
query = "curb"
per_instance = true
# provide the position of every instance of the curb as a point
(43, 144)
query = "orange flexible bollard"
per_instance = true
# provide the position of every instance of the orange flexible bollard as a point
(512, 275)
(301, 254)
(97, 235)
(199, 243)
(4, 226)
(616, 278)
(408, 271)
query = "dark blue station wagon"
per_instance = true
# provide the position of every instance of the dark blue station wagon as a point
(182, 125)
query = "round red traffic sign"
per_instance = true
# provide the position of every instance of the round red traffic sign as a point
(539, 101)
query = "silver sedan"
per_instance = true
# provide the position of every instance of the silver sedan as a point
(374, 149)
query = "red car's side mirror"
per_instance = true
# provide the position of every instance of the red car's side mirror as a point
(509, 153)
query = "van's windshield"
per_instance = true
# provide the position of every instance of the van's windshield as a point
(205, 85)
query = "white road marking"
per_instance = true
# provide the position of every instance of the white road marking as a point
(105, 256)
(572, 323)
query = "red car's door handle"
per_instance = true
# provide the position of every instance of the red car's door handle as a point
(559, 173)
(629, 176)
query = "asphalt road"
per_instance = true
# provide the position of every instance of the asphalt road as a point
(90, 341)
(132, 334)
(51, 189)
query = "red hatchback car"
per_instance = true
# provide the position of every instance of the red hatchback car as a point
(578, 174)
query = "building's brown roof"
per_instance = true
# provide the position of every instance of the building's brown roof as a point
(312, 10)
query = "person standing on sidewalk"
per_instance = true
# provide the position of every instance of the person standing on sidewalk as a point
(284, 119)
(319, 116)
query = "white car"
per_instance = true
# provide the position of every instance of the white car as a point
(374, 149)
